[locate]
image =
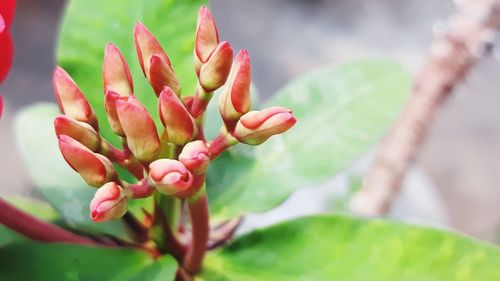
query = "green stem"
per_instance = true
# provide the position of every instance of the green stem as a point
(199, 214)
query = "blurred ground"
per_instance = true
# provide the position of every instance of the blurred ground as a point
(289, 37)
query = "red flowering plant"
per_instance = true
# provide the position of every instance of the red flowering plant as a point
(159, 154)
(7, 8)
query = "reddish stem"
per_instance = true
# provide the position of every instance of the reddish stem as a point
(200, 102)
(36, 229)
(124, 158)
(222, 142)
(142, 189)
(198, 211)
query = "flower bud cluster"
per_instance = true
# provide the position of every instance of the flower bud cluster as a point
(171, 157)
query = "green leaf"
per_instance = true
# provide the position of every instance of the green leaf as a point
(33, 261)
(341, 111)
(89, 24)
(345, 248)
(61, 186)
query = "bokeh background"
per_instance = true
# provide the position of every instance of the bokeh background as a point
(459, 166)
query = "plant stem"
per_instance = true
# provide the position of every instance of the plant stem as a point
(141, 232)
(198, 211)
(141, 189)
(453, 54)
(36, 229)
(123, 158)
(221, 142)
(200, 102)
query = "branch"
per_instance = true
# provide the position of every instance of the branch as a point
(198, 211)
(453, 54)
(36, 229)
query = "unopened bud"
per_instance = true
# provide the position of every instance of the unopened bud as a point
(155, 63)
(81, 132)
(139, 128)
(255, 127)
(207, 37)
(170, 176)
(180, 125)
(110, 104)
(213, 73)
(116, 73)
(94, 168)
(195, 157)
(162, 75)
(71, 100)
(110, 202)
(235, 100)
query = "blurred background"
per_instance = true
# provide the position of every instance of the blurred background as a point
(457, 175)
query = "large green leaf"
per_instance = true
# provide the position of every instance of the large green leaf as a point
(89, 24)
(49, 262)
(61, 186)
(344, 248)
(341, 111)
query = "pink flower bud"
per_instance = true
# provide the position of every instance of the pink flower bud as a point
(94, 168)
(213, 73)
(207, 36)
(116, 73)
(110, 104)
(155, 63)
(110, 202)
(139, 128)
(147, 46)
(81, 132)
(180, 125)
(235, 100)
(195, 157)
(255, 127)
(170, 176)
(162, 75)
(71, 100)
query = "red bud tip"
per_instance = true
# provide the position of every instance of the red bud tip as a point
(195, 157)
(170, 176)
(162, 75)
(255, 127)
(116, 73)
(81, 132)
(180, 125)
(235, 100)
(139, 128)
(110, 105)
(207, 36)
(213, 73)
(147, 46)
(110, 202)
(95, 169)
(71, 100)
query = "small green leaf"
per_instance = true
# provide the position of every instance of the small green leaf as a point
(62, 187)
(341, 113)
(346, 248)
(33, 261)
(89, 24)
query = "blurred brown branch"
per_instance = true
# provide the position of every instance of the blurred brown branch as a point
(455, 50)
